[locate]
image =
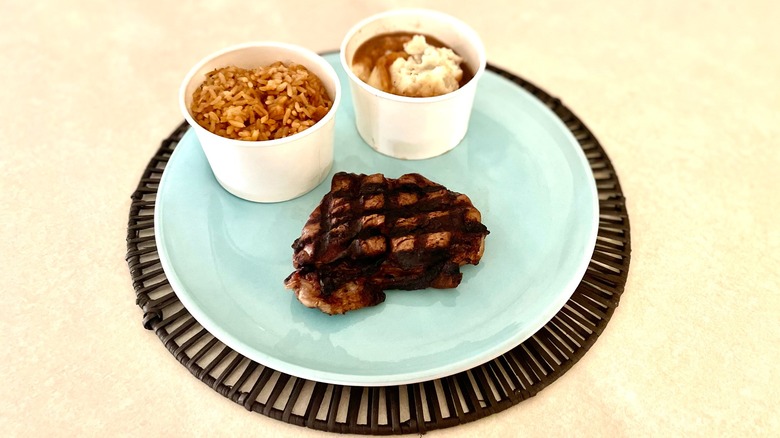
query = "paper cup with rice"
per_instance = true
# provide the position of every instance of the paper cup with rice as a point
(264, 114)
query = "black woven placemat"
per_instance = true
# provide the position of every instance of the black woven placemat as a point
(414, 408)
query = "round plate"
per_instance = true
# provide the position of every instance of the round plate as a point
(226, 258)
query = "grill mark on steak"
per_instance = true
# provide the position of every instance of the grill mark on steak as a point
(371, 233)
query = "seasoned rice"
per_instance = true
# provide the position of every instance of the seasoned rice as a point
(260, 104)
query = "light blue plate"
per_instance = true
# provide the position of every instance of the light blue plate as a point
(226, 258)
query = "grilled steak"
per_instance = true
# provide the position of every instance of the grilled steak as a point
(372, 233)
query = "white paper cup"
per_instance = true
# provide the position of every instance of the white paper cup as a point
(414, 128)
(270, 170)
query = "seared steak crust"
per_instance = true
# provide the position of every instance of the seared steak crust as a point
(372, 233)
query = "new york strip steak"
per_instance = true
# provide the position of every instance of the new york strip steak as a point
(371, 233)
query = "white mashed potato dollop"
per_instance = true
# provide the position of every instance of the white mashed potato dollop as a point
(427, 71)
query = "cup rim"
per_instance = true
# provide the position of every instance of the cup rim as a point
(468, 30)
(309, 54)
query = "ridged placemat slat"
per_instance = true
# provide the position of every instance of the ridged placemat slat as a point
(415, 408)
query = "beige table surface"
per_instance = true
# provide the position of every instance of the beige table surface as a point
(684, 96)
